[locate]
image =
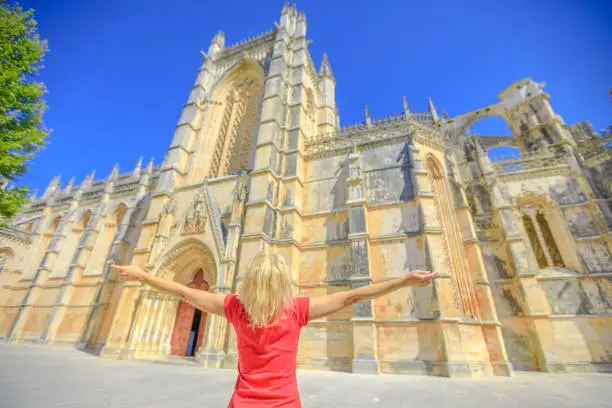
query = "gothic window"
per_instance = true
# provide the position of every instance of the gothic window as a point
(71, 243)
(45, 242)
(232, 147)
(538, 251)
(550, 241)
(456, 257)
(104, 241)
(543, 243)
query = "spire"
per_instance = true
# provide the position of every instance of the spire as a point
(444, 113)
(149, 168)
(325, 70)
(53, 186)
(367, 114)
(216, 44)
(114, 172)
(406, 108)
(87, 182)
(219, 39)
(33, 194)
(285, 9)
(70, 185)
(138, 166)
(432, 110)
(301, 16)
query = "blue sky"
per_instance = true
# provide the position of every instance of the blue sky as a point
(119, 72)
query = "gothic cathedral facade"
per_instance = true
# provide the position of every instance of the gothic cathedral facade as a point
(258, 160)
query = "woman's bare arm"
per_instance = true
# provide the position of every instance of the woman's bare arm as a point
(326, 305)
(205, 301)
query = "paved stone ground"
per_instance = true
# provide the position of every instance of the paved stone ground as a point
(35, 376)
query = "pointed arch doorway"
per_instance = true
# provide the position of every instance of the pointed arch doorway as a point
(189, 322)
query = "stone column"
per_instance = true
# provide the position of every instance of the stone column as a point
(107, 282)
(212, 351)
(166, 342)
(74, 274)
(491, 327)
(120, 327)
(159, 324)
(42, 272)
(365, 351)
(153, 319)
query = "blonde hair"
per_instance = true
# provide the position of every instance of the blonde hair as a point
(266, 290)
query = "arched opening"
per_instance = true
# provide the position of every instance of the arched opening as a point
(491, 126)
(536, 246)
(189, 322)
(457, 258)
(549, 239)
(73, 237)
(502, 152)
(229, 123)
(101, 319)
(495, 136)
(165, 325)
(104, 241)
(44, 244)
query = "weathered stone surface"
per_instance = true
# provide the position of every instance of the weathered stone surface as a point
(389, 185)
(344, 206)
(601, 175)
(357, 222)
(595, 256)
(506, 300)
(580, 222)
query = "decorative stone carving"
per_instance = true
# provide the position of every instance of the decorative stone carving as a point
(196, 216)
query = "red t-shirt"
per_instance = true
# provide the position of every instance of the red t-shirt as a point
(266, 357)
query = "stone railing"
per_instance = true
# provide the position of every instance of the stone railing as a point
(248, 40)
(15, 234)
(123, 183)
(362, 127)
(526, 161)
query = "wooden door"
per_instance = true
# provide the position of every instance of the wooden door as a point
(182, 328)
(184, 320)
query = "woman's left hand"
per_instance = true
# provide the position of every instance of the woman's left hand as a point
(129, 273)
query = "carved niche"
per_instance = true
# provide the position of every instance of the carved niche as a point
(196, 216)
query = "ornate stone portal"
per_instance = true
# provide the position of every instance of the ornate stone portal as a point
(258, 159)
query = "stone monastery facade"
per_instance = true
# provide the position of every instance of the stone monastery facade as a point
(258, 159)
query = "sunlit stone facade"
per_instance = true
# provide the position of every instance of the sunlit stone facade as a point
(258, 159)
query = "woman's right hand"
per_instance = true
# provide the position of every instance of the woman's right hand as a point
(418, 278)
(129, 273)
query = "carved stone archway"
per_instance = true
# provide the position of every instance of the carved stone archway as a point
(157, 312)
(547, 232)
(516, 94)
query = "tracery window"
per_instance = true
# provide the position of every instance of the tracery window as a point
(543, 244)
(463, 287)
(232, 147)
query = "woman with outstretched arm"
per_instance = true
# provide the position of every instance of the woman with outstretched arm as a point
(267, 319)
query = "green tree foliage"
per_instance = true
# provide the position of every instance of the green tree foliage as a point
(22, 132)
